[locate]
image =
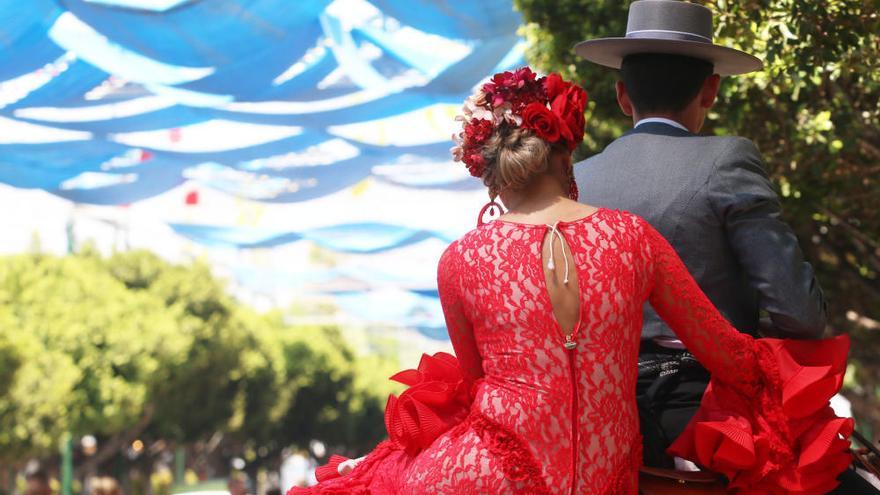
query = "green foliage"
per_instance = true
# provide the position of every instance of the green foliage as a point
(89, 350)
(814, 113)
(10, 361)
(318, 362)
(132, 344)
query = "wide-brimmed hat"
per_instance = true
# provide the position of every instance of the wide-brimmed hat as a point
(671, 27)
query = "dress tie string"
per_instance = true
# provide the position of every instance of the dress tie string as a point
(554, 230)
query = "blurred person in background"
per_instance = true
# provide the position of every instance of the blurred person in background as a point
(37, 482)
(297, 469)
(237, 484)
(105, 485)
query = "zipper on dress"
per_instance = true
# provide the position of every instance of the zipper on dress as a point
(570, 352)
(570, 344)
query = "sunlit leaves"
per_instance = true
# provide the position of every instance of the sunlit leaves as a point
(97, 346)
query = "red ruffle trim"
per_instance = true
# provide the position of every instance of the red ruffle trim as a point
(626, 479)
(437, 399)
(781, 436)
(516, 459)
(331, 469)
(357, 482)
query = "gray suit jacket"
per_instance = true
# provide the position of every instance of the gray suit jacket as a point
(712, 200)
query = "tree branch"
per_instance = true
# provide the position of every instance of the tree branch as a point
(115, 443)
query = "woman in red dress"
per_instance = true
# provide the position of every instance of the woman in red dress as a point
(544, 309)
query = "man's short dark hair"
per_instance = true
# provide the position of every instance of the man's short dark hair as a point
(660, 83)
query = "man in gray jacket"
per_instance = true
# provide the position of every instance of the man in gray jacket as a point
(709, 196)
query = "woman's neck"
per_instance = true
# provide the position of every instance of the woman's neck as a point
(543, 202)
(542, 194)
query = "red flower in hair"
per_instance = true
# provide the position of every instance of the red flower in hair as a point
(474, 137)
(567, 101)
(478, 131)
(541, 120)
(475, 163)
(554, 85)
(549, 106)
(517, 88)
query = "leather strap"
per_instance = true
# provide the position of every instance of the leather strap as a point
(685, 476)
(667, 365)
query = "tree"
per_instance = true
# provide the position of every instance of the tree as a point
(261, 383)
(10, 361)
(229, 364)
(132, 347)
(813, 112)
(88, 351)
(339, 398)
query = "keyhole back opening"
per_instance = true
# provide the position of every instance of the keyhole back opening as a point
(561, 280)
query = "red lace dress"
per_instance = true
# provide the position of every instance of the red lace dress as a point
(526, 409)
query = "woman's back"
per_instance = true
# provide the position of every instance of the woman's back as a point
(556, 370)
(545, 322)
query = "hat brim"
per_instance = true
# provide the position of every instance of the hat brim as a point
(610, 52)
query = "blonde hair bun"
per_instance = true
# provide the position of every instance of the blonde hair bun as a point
(514, 156)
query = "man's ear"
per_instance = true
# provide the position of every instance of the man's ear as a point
(710, 91)
(623, 99)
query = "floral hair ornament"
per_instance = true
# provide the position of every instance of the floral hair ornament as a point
(548, 106)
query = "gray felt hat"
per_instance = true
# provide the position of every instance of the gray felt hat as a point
(668, 26)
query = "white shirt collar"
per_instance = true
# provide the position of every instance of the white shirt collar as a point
(661, 120)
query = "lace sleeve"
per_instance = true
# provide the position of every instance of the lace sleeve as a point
(728, 354)
(764, 421)
(459, 327)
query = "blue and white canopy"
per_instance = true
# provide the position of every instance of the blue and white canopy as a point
(277, 105)
(114, 101)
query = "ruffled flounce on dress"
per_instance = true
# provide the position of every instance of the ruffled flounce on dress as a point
(779, 436)
(438, 401)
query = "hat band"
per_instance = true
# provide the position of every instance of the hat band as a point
(667, 35)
